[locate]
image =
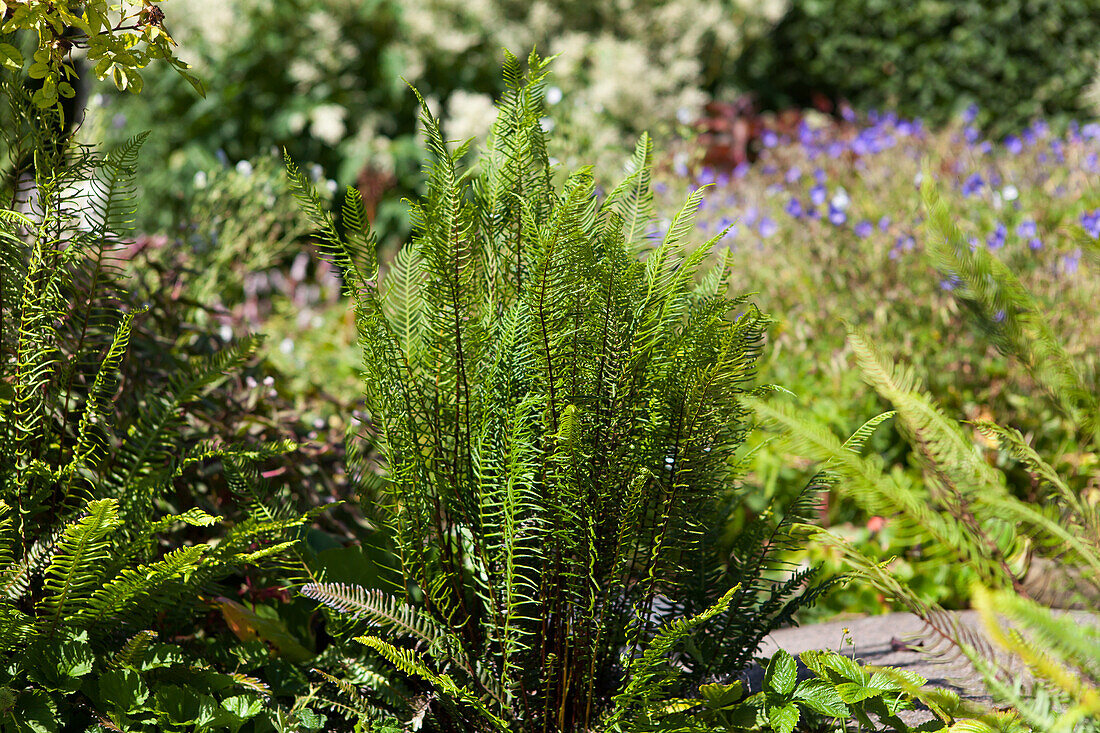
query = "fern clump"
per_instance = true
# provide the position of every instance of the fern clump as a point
(104, 582)
(555, 398)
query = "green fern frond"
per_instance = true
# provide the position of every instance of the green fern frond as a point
(375, 606)
(135, 589)
(649, 674)
(407, 662)
(131, 653)
(632, 199)
(79, 560)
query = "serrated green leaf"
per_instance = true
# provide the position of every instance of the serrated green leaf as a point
(35, 712)
(719, 696)
(970, 726)
(784, 719)
(853, 692)
(822, 697)
(310, 720)
(123, 689)
(846, 667)
(782, 673)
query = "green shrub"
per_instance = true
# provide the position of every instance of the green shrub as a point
(1016, 59)
(109, 567)
(558, 418)
(323, 78)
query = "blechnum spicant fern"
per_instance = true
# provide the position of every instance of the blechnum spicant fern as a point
(1027, 556)
(556, 404)
(94, 564)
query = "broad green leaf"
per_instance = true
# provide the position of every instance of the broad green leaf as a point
(310, 720)
(719, 696)
(822, 697)
(784, 719)
(243, 706)
(10, 58)
(846, 667)
(970, 726)
(35, 712)
(853, 692)
(782, 673)
(123, 689)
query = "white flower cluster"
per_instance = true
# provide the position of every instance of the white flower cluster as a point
(623, 66)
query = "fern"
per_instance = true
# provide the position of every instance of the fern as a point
(556, 404)
(92, 454)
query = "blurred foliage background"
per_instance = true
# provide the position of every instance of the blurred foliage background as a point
(811, 117)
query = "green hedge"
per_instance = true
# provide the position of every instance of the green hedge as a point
(1017, 59)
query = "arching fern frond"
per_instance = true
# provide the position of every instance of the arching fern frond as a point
(79, 560)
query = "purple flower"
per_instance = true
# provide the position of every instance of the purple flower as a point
(1014, 145)
(835, 150)
(819, 175)
(950, 283)
(884, 223)
(971, 134)
(768, 169)
(817, 195)
(999, 316)
(972, 185)
(1090, 131)
(863, 229)
(903, 243)
(996, 240)
(985, 148)
(741, 169)
(1035, 243)
(660, 187)
(1071, 262)
(970, 114)
(769, 139)
(1040, 128)
(706, 175)
(794, 208)
(837, 216)
(793, 174)
(1026, 229)
(731, 233)
(767, 227)
(1090, 220)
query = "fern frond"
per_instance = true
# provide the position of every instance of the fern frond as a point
(133, 650)
(407, 662)
(79, 560)
(374, 605)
